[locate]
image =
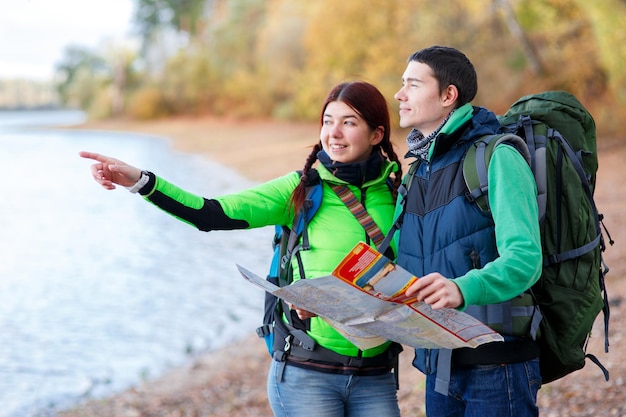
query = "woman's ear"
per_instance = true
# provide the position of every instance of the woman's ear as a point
(377, 135)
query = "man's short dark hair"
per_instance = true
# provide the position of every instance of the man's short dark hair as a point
(451, 67)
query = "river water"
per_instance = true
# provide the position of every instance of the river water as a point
(98, 289)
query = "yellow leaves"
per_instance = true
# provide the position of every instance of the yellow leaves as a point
(608, 22)
(287, 54)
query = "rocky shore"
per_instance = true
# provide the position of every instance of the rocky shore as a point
(231, 381)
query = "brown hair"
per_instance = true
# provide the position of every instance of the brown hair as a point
(370, 104)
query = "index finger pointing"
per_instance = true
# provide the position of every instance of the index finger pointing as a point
(93, 155)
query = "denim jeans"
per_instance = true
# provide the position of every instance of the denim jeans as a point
(487, 391)
(309, 393)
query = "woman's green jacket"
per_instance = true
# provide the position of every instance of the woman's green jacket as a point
(333, 231)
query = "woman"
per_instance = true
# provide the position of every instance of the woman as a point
(354, 150)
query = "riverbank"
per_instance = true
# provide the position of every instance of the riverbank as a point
(231, 381)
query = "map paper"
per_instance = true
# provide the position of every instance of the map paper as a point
(364, 300)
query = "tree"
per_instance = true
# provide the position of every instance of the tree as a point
(608, 20)
(180, 15)
(120, 60)
(82, 65)
(518, 33)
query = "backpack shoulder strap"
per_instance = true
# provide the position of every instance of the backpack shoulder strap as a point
(358, 210)
(403, 191)
(476, 163)
(312, 202)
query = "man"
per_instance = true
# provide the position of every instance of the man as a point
(466, 260)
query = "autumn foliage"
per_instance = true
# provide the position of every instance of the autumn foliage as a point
(278, 58)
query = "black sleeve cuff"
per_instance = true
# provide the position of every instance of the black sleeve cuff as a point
(147, 189)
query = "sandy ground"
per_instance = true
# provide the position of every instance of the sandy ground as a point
(231, 381)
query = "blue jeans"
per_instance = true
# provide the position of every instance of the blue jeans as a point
(487, 390)
(309, 393)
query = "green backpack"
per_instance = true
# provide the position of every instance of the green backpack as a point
(558, 138)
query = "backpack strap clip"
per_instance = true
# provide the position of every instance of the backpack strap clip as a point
(281, 355)
(264, 330)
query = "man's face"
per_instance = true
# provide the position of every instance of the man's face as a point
(421, 103)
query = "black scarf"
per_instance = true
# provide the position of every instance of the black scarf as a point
(354, 173)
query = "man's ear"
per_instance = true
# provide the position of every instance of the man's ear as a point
(450, 95)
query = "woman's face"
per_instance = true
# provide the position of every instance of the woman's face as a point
(345, 135)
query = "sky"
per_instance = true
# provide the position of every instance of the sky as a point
(35, 33)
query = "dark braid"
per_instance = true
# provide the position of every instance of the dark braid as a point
(387, 148)
(299, 193)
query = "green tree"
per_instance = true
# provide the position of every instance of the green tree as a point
(80, 73)
(189, 81)
(123, 77)
(608, 22)
(562, 34)
(180, 15)
(231, 36)
(232, 45)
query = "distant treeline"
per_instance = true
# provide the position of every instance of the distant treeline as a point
(278, 58)
(28, 95)
(31, 108)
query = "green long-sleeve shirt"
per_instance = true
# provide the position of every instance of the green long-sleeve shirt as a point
(513, 203)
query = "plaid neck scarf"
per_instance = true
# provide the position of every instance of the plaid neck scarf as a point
(419, 144)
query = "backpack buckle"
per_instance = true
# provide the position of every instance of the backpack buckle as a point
(264, 330)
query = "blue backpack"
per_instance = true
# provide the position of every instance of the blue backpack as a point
(286, 248)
